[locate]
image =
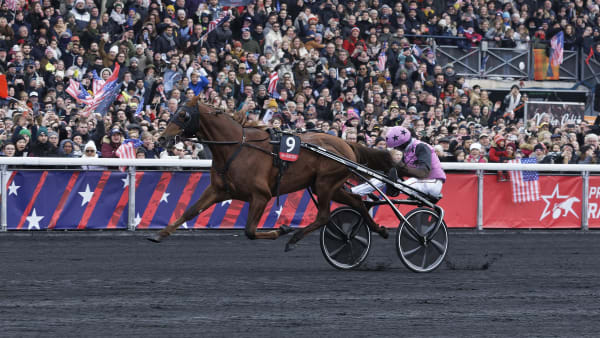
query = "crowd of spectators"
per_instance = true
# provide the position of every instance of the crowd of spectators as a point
(348, 68)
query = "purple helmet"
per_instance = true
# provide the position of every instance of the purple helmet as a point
(397, 136)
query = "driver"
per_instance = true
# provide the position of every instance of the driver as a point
(419, 162)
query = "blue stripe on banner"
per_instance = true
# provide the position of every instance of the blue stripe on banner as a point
(23, 187)
(144, 192)
(217, 215)
(49, 196)
(301, 208)
(107, 203)
(240, 222)
(273, 217)
(175, 190)
(73, 210)
(202, 185)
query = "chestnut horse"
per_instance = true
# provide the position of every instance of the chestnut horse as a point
(243, 169)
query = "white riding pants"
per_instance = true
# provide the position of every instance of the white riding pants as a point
(429, 186)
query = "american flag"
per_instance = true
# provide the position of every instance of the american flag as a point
(525, 184)
(74, 89)
(97, 83)
(557, 43)
(273, 79)
(223, 16)
(140, 107)
(381, 61)
(127, 150)
(107, 94)
(12, 4)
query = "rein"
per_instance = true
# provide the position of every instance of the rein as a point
(241, 144)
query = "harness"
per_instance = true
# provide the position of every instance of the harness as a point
(274, 137)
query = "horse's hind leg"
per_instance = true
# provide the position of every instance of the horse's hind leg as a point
(255, 211)
(355, 201)
(209, 197)
(324, 194)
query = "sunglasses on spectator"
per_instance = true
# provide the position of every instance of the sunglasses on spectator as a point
(89, 151)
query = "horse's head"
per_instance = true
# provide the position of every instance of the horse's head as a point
(179, 123)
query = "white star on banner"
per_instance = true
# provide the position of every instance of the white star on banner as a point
(164, 197)
(86, 195)
(184, 225)
(34, 220)
(12, 189)
(137, 220)
(278, 212)
(225, 202)
(125, 182)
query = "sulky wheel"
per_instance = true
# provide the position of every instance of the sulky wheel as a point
(426, 251)
(345, 239)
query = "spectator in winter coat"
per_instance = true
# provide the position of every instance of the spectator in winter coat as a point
(41, 147)
(498, 154)
(90, 151)
(111, 143)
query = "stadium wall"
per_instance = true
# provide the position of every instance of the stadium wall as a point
(81, 200)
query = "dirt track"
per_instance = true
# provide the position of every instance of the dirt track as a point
(221, 284)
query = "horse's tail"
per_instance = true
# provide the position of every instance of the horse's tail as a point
(373, 158)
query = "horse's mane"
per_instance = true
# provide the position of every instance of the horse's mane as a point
(238, 117)
(373, 158)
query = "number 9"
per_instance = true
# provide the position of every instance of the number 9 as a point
(290, 142)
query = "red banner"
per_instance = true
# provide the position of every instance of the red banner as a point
(459, 203)
(559, 204)
(594, 202)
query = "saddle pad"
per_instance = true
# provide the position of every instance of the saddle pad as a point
(289, 148)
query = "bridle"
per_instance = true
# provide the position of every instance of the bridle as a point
(244, 142)
(194, 110)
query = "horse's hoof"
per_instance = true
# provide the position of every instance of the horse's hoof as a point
(384, 232)
(289, 246)
(285, 229)
(156, 238)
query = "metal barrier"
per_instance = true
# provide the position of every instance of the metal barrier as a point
(5, 162)
(493, 62)
(505, 62)
(590, 74)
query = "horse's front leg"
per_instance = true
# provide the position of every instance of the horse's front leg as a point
(209, 197)
(258, 202)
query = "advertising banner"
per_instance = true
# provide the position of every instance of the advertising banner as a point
(557, 114)
(39, 200)
(594, 203)
(557, 205)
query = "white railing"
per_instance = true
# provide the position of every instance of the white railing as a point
(479, 168)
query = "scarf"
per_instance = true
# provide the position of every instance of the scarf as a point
(170, 39)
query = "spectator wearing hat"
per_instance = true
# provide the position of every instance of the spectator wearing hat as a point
(112, 142)
(249, 44)
(40, 147)
(498, 154)
(220, 37)
(539, 152)
(354, 45)
(475, 154)
(82, 16)
(67, 149)
(90, 151)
